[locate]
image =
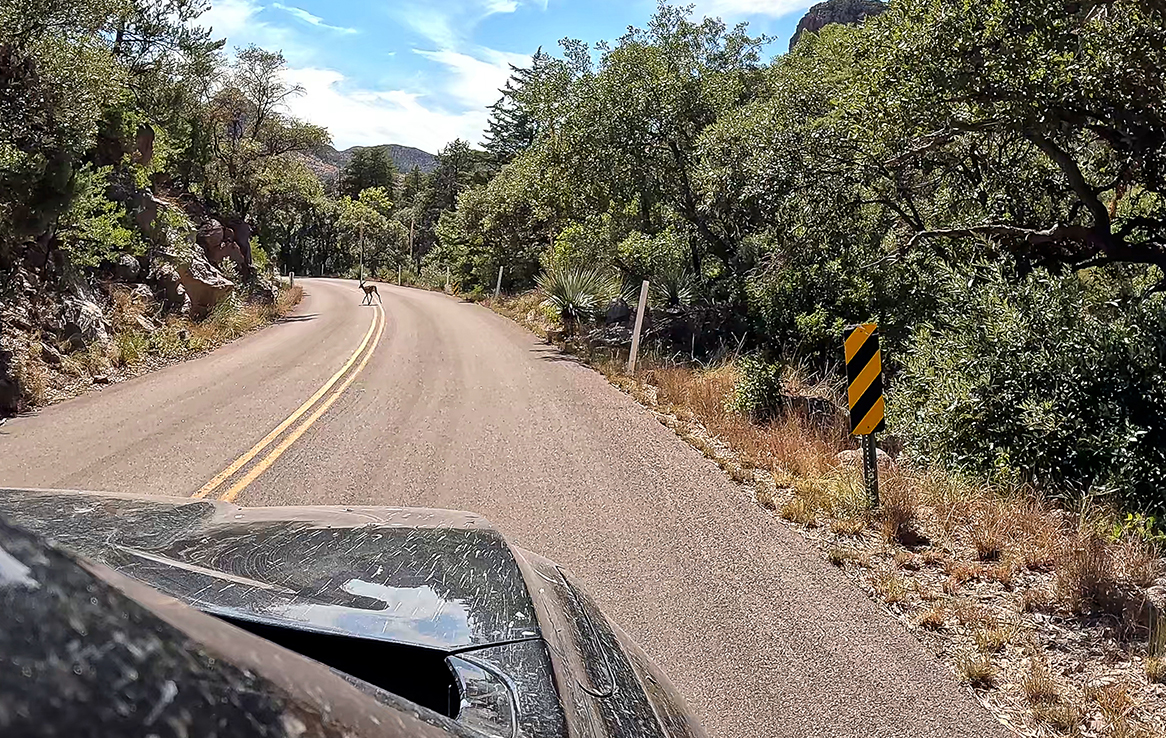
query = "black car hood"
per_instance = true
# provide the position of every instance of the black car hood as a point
(430, 578)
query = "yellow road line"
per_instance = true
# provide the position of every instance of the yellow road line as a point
(267, 461)
(258, 448)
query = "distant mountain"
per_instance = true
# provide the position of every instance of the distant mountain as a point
(327, 162)
(847, 12)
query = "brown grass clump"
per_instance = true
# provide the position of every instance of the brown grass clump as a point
(977, 670)
(994, 638)
(852, 527)
(1035, 600)
(1114, 701)
(1038, 684)
(933, 619)
(968, 613)
(1137, 562)
(1087, 577)
(898, 512)
(890, 586)
(799, 510)
(1061, 716)
(1155, 668)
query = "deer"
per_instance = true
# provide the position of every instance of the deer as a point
(369, 291)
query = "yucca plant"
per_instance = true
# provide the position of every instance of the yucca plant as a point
(576, 293)
(674, 287)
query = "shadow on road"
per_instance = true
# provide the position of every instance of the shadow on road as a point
(554, 354)
(297, 318)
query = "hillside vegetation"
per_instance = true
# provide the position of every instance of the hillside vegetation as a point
(984, 180)
(151, 180)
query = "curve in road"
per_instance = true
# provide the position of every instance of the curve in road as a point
(457, 407)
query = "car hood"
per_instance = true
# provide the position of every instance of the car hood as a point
(431, 578)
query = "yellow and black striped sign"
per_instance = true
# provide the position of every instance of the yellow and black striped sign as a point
(864, 378)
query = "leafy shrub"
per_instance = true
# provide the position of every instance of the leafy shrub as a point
(758, 391)
(94, 230)
(1055, 381)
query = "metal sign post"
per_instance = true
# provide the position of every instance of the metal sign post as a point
(639, 327)
(498, 288)
(864, 383)
(398, 275)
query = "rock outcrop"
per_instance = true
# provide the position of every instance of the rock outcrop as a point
(846, 12)
(204, 285)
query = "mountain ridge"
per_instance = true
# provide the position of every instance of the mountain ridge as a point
(327, 161)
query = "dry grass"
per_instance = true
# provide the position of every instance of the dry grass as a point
(898, 512)
(934, 618)
(1114, 701)
(889, 586)
(138, 335)
(985, 537)
(852, 527)
(995, 637)
(1088, 576)
(976, 670)
(1038, 684)
(1061, 716)
(1155, 668)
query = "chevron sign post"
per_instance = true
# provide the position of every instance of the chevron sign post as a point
(864, 382)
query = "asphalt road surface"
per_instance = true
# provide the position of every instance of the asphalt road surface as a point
(449, 405)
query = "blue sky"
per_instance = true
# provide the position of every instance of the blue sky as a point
(422, 73)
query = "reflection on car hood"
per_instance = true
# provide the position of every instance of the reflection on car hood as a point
(422, 577)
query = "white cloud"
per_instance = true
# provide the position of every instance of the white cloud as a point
(314, 20)
(475, 82)
(361, 117)
(741, 8)
(229, 17)
(239, 22)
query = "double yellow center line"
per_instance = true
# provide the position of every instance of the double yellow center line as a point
(363, 353)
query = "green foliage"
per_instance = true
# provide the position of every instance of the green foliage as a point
(369, 168)
(577, 294)
(1055, 381)
(758, 390)
(94, 230)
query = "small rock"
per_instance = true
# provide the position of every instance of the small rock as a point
(141, 294)
(101, 379)
(618, 312)
(126, 268)
(146, 324)
(50, 354)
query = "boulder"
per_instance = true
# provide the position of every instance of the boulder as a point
(210, 236)
(126, 268)
(144, 141)
(145, 323)
(205, 286)
(218, 243)
(81, 322)
(146, 215)
(618, 312)
(241, 230)
(265, 289)
(50, 354)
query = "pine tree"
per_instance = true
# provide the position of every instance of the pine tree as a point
(511, 128)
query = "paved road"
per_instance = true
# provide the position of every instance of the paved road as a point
(457, 407)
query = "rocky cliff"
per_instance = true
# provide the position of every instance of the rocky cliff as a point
(847, 12)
